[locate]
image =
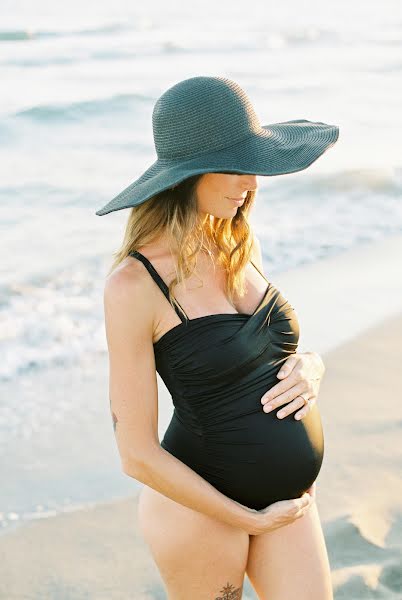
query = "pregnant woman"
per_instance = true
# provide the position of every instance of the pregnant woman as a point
(230, 488)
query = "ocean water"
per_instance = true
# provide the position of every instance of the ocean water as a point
(78, 87)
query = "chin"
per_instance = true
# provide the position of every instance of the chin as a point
(228, 215)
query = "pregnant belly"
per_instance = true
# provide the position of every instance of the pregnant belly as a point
(256, 458)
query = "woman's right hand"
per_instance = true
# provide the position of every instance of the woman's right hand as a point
(279, 514)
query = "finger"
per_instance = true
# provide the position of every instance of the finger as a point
(292, 382)
(299, 512)
(309, 499)
(305, 410)
(312, 489)
(287, 396)
(289, 365)
(299, 503)
(302, 511)
(302, 413)
(299, 415)
(279, 388)
(290, 408)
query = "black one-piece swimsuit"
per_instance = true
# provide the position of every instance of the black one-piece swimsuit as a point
(217, 368)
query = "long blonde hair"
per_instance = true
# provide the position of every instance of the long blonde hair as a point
(174, 214)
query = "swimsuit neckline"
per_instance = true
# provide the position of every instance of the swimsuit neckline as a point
(187, 321)
(235, 315)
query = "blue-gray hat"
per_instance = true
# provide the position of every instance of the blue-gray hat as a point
(208, 124)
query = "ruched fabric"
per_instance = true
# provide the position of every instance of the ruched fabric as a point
(217, 368)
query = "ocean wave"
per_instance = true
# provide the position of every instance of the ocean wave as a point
(76, 111)
(17, 35)
(301, 36)
(387, 180)
(53, 321)
(28, 62)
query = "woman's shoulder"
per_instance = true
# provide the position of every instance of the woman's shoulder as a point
(129, 292)
(256, 253)
(129, 277)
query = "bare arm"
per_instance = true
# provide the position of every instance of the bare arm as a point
(129, 301)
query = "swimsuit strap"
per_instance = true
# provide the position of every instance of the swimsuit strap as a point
(162, 285)
(260, 272)
(158, 280)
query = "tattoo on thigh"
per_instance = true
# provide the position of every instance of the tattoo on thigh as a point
(229, 593)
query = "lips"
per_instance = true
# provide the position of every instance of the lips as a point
(238, 201)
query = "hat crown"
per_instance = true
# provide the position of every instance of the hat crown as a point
(201, 115)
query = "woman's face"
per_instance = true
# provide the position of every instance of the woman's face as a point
(215, 193)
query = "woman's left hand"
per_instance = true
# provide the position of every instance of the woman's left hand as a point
(301, 379)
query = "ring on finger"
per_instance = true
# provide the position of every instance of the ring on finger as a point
(307, 401)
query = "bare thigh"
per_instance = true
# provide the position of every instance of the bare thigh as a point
(291, 561)
(196, 555)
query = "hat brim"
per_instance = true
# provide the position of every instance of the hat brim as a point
(276, 149)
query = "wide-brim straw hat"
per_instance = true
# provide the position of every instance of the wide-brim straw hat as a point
(208, 124)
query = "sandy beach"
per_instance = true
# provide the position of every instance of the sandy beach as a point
(98, 553)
